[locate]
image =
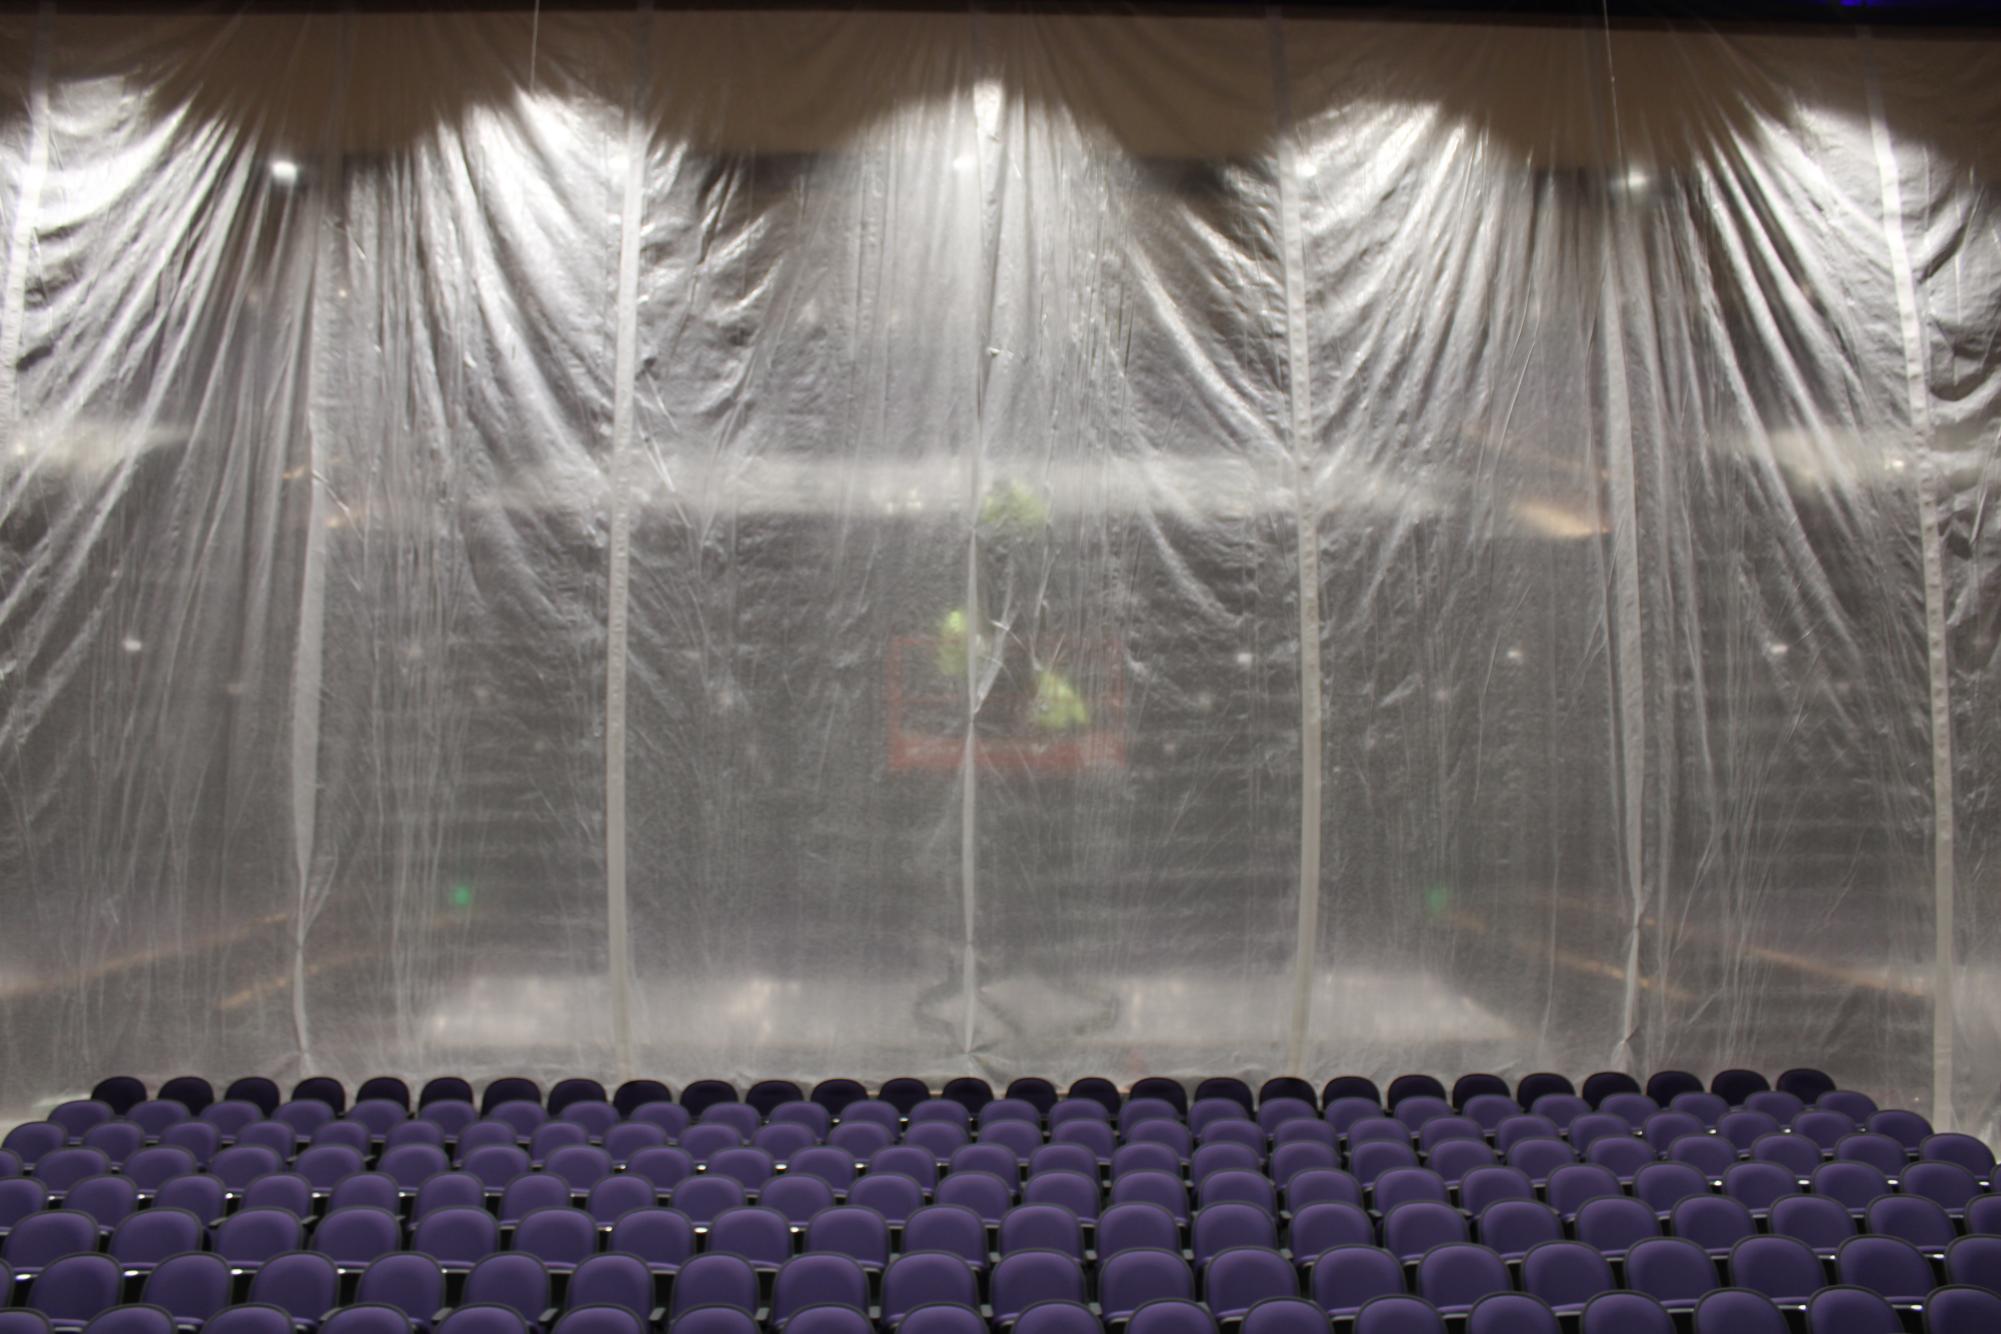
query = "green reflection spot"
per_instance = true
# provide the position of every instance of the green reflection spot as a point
(462, 896)
(1437, 898)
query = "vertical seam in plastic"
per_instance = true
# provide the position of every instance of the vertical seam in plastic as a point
(1918, 398)
(969, 782)
(619, 561)
(1300, 400)
(308, 661)
(1628, 657)
(35, 171)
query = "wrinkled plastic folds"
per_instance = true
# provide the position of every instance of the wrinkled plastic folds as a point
(803, 544)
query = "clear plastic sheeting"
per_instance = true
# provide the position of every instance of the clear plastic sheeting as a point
(759, 544)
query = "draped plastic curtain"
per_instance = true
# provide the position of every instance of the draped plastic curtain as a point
(796, 544)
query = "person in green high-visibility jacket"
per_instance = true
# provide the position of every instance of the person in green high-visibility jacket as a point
(1011, 514)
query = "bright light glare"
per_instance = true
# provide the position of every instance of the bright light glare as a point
(284, 171)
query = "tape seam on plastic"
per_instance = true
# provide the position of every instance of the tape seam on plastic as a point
(619, 560)
(1918, 402)
(1299, 395)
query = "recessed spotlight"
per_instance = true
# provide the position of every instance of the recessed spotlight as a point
(284, 171)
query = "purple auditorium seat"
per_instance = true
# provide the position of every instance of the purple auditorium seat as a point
(1734, 1086)
(1041, 1318)
(281, 1190)
(1664, 1086)
(1219, 1227)
(696, 1320)
(1756, 1185)
(120, 1093)
(566, 1093)
(444, 1088)
(1921, 1222)
(191, 1091)
(916, 1279)
(1041, 1227)
(482, 1135)
(1711, 1155)
(321, 1089)
(106, 1198)
(1010, 1109)
(155, 1116)
(627, 1138)
(1823, 1224)
(1442, 1129)
(1162, 1089)
(859, 1140)
(116, 1140)
(667, 1166)
(1319, 1228)
(1318, 1185)
(1963, 1309)
(1908, 1128)
(370, 1189)
(509, 1088)
(1066, 1110)
(662, 1238)
(671, 1117)
(354, 1135)
(1736, 1311)
(1708, 1108)
(449, 1190)
(995, 1159)
(982, 1192)
(1161, 1188)
(1478, 1085)
(942, 1139)
(1204, 1112)
(252, 1318)
(1823, 1128)
(1344, 1113)
(783, 1140)
(1947, 1184)
(1566, 1274)
(1019, 1137)
(1889, 1266)
(1144, 1157)
(1714, 1222)
(1672, 1270)
(1305, 1132)
(73, 1289)
(1209, 1159)
(797, 1196)
(1512, 1228)
(1540, 1158)
(1027, 1277)
(541, 1190)
(379, 1116)
(1612, 1224)
(1169, 1315)
(1132, 1278)
(355, 1237)
(457, 1236)
(616, 1195)
(715, 1279)
(1879, 1151)
(1852, 1185)
(829, 1318)
(1624, 1313)
(738, 1116)
(1797, 1155)
(1745, 1127)
(584, 1165)
(451, 1116)
(1346, 1278)
(36, 1240)
(1781, 1268)
(1569, 1187)
(191, 1286)
(1399, 1315)
(512, 1280)
(1664, 1128)
(613, 1279)
(969, 1091)
(1804, 1083)
(1034, 1090)
(1621, 1155)
(817, 1280)
(1235, 1280)
(1138, 1110)
(1275, 1112)
(141, 1241)
(520, 1115)
(1169, 1134)
(1631, 1106)
(304, 1284)
(61, 1169)
(863, 1236)
(561, 1237)
(200, 1194)
(1452, 1278)
(1541, 1084)
(76, 1117)
(1510, 1313)
(1371, 1158)
(891, 1195)
(761, 1236)
(366, 1319)
(1976, 1260)
(1593, 1126)
(1415, 1226)
(302, 1117)
(1062, 1158)
(1227, 1088)
(385, 1088)
(1661, 1186)
(1285, 1315)
(476, 1318)
(618, 1320)
(276, 1136)
(1139, 1224)
(410, 1282)
(1484, 1185)
(1844, 1309)
(1781, 1107)
(1078, 1193)
(138, 1318)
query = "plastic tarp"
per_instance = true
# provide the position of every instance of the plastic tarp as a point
(759, 544)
